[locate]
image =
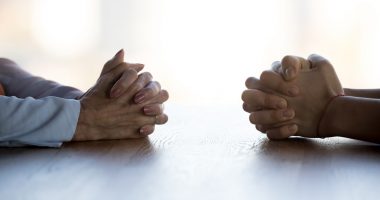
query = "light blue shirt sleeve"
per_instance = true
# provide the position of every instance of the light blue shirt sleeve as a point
(35, 111)
(47, 121)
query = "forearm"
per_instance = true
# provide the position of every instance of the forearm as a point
(352, 117)
(367, 93)
(43, 122)
(22, 84)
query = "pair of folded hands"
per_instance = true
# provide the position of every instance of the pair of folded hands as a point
(123, 103)
(292, 97)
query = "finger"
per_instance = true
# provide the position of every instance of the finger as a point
(108, 79)
(111, 64)
(291, 66)
(148, 92)
(117, 60)
(260, 128)
(153, 109)
(282, 132)
(274, 82)
(249, 108)
(252, 83)
(268, 117)
(146, 130)
(258, 99)
(162, 97)
(123, 66)
(136, 66)
(161, 119)
(125, 81)
(276, 66)
(142, 80)
(317, 60)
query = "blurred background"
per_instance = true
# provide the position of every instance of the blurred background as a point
(200, 50)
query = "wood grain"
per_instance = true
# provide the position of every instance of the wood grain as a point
(202, 153)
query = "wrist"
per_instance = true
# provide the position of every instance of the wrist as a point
(330, 125)
(84, 130)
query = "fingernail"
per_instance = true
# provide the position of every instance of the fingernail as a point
(118, 53)
(293, 128)
(148, 110)
(139, 67)
(281, 104)
(142, 131)
(289, 72)
(293, 91)
(139, 98)
(287, 114)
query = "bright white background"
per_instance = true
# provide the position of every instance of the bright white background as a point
(200, 50)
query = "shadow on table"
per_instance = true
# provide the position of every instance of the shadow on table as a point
(319, 150)
(132, 150)
(303, 148)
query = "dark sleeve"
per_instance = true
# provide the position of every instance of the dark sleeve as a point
(22, 84)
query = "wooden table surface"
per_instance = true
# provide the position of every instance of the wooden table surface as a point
(202, 153)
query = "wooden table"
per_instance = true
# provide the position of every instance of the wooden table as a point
(202, 153)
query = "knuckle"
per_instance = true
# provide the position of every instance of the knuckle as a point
(147, 75)
(276, 63)
(287, 60)
(156, 84)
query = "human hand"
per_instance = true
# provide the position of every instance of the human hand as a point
(122, 104)
(152, 91)
(311, 85)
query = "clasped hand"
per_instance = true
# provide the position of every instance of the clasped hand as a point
(122, 103)
(290, 99)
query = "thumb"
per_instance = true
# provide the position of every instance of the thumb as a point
(115, 61)
(317, 60)
(292, 65)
